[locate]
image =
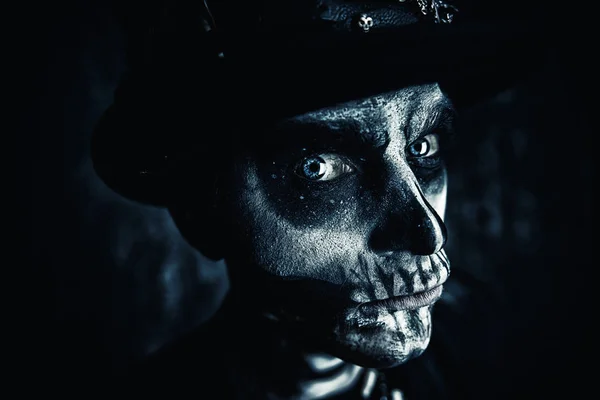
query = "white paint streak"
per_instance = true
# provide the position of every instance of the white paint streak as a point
(327, 387)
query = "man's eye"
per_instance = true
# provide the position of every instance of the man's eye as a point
(322, 167)
(426, 146)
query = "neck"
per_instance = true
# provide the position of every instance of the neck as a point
(278, 365)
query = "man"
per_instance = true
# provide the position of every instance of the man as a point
(302, 143)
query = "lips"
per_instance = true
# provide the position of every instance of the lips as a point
(407, 302)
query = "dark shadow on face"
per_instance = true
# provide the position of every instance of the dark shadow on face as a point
(332, 212)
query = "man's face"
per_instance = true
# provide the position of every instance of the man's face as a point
(336, 224)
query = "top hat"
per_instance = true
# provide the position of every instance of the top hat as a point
(213, 67)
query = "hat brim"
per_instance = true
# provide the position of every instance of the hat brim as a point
(296, 73)
(264, 77)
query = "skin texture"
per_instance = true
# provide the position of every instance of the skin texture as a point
(314, 253)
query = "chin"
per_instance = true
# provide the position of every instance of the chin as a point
(384, 340)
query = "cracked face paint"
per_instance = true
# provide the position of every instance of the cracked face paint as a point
(336, 222)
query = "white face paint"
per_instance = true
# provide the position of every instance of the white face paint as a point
(339, 210)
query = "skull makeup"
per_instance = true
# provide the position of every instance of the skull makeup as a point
(334, 224)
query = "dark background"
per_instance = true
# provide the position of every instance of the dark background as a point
(123, 282)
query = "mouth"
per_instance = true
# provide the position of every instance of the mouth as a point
(407, 302)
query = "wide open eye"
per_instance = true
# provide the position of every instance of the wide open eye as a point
(322, 167)
(426, 146)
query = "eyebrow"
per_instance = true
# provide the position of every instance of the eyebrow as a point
(297, 132)
(349, 132)
(440, 116)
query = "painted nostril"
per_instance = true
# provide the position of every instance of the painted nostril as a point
(401, 233)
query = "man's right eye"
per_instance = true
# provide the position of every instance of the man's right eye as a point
(323, 167)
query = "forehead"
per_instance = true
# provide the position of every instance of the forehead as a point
(409, 102)
(408, 112)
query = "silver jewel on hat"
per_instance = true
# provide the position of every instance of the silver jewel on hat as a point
(442, 12)
(365, 22)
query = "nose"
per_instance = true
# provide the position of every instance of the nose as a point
(408, 223)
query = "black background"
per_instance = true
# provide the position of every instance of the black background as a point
(122, 282)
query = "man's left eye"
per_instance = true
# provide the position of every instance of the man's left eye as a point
(322, 167)
(426, 146)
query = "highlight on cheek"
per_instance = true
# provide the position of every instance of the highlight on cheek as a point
(323, 167)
